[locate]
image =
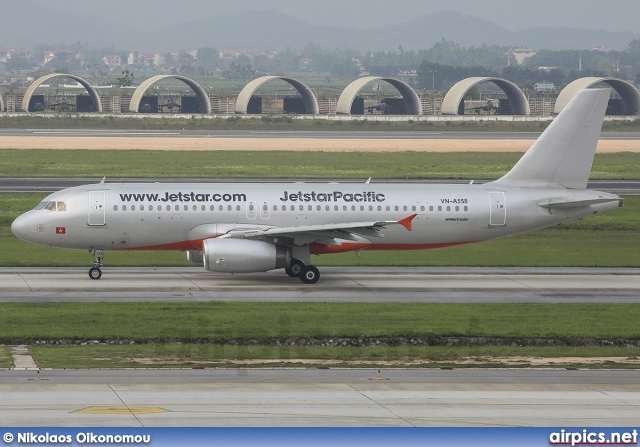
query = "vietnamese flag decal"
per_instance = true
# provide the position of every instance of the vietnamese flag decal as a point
(61, 230)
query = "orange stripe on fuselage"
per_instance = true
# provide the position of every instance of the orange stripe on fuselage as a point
(314, 249)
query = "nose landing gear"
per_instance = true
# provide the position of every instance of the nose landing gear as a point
(95, 272)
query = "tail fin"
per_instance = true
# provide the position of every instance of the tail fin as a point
(564, 153)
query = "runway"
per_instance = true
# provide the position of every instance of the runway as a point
(337, 284)
(315, 397)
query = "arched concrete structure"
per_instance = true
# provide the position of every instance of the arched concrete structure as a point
(455, 95)
(310, 101)
(93, 93)
(201, 94)
(628, 93)
(345, 101)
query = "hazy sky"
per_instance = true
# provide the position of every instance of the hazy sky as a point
(513, 15)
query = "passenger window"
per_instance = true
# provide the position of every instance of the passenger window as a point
(319, 207)
(397, 208)
(211, 208)
(457, 208)
(379, 208)
(115, 207)
(221, 208)
(186, 207)
(466, 208)
(370, 207)
(448, 208)
(177, 207)
(275, 208)
(310, 207)
(388, 208)
(141, 207)
(430, 207)
(133, 207)
(237, 207)
(439, 208)
(353, 207)
(404, 208)
(168, 207)
(293, 208)
(150, 207)
(422, 208)
(228, 207)
(413, 208)
(51, 206)
(124, 207)
(326, 207)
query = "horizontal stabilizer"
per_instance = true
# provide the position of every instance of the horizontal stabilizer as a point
(563, 203)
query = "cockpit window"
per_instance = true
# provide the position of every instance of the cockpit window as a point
(51, 206)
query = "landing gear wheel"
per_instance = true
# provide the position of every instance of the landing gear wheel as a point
(95, 273)
(309, 275)
(294, 269)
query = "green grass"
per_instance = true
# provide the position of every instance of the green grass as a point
(220, 322)
(201, 355)
(5, 357)
(281, 164)
(605, 240)
(198, 122)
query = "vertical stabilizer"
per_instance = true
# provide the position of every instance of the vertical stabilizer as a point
(564, 153)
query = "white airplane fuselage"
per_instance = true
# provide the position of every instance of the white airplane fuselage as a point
(180, 216)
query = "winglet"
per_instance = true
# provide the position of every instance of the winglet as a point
(406, 222)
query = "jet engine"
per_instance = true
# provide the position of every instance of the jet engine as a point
(243, 255)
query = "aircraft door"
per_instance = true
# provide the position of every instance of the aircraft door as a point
(498, 210)
(251, 210)
(96, 209)
(264, 210)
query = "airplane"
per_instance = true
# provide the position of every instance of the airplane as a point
(257, 227)
(487, 107)
(171, 103)
(63, 104)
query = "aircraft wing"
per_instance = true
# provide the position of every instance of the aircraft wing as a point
(324, 233)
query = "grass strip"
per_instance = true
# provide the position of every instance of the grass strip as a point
(59, 120)
(5, 357)
(201, 355)
(282, 164)
(605, 240)
(219, 322)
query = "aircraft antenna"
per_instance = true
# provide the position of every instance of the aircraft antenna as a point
(368, 181)
(102, 181)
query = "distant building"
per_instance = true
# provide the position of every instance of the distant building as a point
(52, 55)
(522, 54)
(603, 48)
(544, 87)
(112, 61)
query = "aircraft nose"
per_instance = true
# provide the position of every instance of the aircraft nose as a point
(20, 227)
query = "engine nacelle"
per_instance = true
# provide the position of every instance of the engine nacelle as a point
(195, 256)
(242, 255)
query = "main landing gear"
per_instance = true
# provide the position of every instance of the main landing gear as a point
(95, 272)
(308, 274)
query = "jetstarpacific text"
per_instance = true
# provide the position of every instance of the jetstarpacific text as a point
(335, 196)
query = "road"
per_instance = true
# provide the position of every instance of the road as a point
(338, 284)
